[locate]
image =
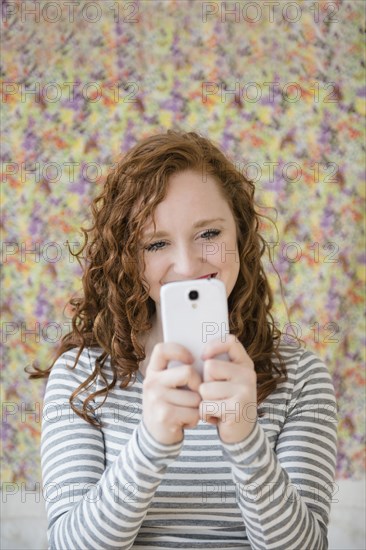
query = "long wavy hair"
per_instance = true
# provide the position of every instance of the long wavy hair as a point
(115, 309)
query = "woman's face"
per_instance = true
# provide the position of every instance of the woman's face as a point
(195, 235)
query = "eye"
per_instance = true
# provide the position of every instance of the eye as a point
(210, 234)
(154, 247)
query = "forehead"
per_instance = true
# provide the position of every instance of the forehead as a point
(191, 189)
(190, 198)
(194, 181)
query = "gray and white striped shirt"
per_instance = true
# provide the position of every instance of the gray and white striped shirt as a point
(117, 487)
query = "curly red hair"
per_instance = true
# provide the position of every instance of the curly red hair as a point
(115, 307)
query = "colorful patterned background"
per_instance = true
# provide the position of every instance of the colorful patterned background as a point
(105, 74)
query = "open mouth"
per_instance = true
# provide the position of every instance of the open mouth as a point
(209, 276)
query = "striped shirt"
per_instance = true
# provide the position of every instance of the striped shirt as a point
(115, 486)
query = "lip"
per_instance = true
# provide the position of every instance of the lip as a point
(203, 277)
(208, 275)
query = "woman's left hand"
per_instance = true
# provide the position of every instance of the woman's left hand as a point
(229, 390)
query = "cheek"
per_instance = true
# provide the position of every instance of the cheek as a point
(211, 252)
(231, 259)
(153, 266)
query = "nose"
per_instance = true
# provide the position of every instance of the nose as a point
(187, 261)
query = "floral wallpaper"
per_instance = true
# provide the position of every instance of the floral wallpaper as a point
(279, 87)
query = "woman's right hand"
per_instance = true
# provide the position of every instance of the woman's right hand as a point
(167, 410)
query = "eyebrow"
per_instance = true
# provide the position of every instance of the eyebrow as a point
(197, 225)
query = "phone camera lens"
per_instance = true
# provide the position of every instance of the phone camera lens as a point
(193, 295)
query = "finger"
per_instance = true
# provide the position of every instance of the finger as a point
(191, 418)
(219, 390)
(212, 420)
(184, 375)
(231, 346)
(194, 380)
(185, 417)
(209, 409)
(219, 409)
(183, 398)
(213, 369)
(163, 352)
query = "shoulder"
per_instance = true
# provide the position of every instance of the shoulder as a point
(308, 387)
(74, 367)
(85, 360)
(301, 364)
(307, 374)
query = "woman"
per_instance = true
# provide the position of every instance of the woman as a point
(245, 457)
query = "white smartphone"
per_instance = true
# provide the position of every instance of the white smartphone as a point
(194, 312)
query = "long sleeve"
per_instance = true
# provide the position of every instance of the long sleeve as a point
(88, 505)
(285, 493)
